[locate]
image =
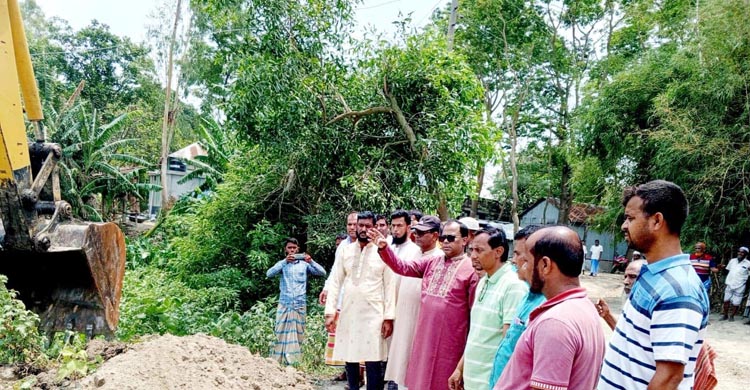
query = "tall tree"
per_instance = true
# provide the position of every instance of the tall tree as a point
(169, 113)
(389, 126)
(679, 111)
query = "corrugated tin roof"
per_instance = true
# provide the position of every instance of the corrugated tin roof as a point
(190, 152)
(579, 212)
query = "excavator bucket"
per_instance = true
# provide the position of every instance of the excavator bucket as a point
(77, 283)
(69, 272)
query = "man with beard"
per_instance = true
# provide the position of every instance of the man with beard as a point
(563, 346)
(498, 293)
(739, 270)
(448, 286)
(631, 275)
(351, 231)
(662, 326)
(531, 301)
(407, 301)
(368, 307)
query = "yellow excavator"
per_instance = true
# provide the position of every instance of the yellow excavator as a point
(67, 271)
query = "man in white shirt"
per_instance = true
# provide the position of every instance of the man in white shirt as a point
(408, 300)
(739, 270)
(596, 255)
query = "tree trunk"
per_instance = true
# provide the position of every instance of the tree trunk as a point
(514, 178)
(442, 208)
(480, 183)
(452, 23)
(566, 197)
(166, 127)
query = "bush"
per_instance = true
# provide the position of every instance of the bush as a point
(253, 329)
(154, 301)
(20, 340)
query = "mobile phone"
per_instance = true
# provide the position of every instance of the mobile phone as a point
(299, 256)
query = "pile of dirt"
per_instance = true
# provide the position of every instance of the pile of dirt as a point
(192, 362)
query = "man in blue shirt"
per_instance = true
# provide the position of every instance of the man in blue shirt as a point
(530, 302)
(291, 314)
(663, 323)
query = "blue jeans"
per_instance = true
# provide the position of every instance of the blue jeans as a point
(594, 266)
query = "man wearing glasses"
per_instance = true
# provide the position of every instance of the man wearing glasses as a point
(448, 286)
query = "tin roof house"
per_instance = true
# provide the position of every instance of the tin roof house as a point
(176, 170)
(546, 211)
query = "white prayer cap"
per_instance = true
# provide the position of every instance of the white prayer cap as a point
(470, 223)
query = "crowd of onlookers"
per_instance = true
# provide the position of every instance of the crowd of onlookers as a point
(415, 302)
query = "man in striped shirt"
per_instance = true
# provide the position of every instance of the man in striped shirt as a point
(661, 330)
(498, 293)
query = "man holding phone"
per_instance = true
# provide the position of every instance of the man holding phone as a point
(291, 313)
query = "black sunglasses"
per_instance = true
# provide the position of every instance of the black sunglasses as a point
(448, 237)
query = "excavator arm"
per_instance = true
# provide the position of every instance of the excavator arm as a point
(69, 272)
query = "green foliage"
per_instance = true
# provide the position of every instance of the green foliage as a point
(253, 329)
(109, 74)
(69, 350)
(155, 302)
(73, 364)
(679, 112)
(316, 339)
(305, 166)
(93, 160)
(20, 340)
(220, 145)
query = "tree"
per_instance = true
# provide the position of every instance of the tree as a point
(175, 44)
(391, 126)
(93, 164)
(679, 112)
(532, 59)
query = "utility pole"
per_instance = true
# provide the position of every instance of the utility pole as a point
(452, 23)
(481, 168)
(442, 205)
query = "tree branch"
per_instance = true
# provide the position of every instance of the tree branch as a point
(357, 115)
(400, 116)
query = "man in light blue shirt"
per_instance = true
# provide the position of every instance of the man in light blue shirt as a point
(291, 314)
(529, 302)
(662, 326)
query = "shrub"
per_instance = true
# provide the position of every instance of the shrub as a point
(20, 340)
(155, 302)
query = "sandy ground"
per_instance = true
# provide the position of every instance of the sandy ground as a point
(731, 340)
(192, 362)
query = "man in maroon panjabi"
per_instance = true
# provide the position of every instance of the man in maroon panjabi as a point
(448, 286)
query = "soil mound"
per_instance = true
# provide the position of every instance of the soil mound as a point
(193, 362)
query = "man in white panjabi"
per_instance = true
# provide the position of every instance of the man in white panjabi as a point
(368, 308)
(408, 300)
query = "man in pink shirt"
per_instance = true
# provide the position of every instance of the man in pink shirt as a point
(563, 346)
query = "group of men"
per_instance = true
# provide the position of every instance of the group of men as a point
(737, 273)
(451, 310)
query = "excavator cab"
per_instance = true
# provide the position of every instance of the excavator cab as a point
(69, 272)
